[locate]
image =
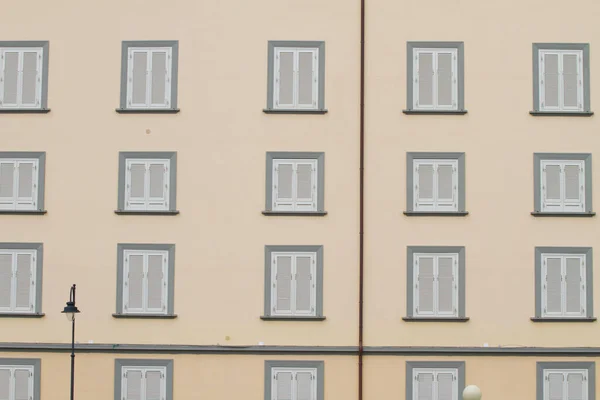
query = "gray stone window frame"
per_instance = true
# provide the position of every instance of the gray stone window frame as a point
(318, 249)
(585, 48)
(271, 71)
(277, 155)
(126, 44)
(45, 45)
(159, 155)
(36, 363)
(122, 362)
(39, 247)
(410, 158)
(589, 307)
(411, 365)
(537, 176)
(410, 252)
(319, 365)
(589, 365)
(170, 248)
(460, 46)
(41, 156)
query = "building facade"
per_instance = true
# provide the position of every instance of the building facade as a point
(207, 205)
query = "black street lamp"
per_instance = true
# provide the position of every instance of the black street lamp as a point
(70, 310)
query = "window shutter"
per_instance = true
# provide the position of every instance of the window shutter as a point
(283, 386)
(26, 171)
(283, 181)
(158, 186)
(553, 285)
(576, 386)
(447, 186)
(285, 82)
(303, 285)
(154, 381)
(446, 290)
(134, 282)
(550, 80)
(138, 78)
(22, 384)
(7, 183)
(424, 80)
(283, 279)
(156, 281)
(445, 84)
(305, 386)
(133, 385)
(555, 386)
(307, 79)
(445, 385)
(424, 190)
(570, 76)
(4, 384)
(574, 187)
(424, 386)
(23, 282)
(6, 272)
(574, 284)
(425, 285)
(29, 76)
(305, 186)
(136, 187)
(159, 78)
(11, 79)
(551, 197)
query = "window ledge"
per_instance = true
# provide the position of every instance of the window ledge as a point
(166, 212)
(147, 110)
(435, 112)
(562, 319)
(295, 214)
(21, 315)
(24, 111)
(146, 316)
(562, 113)
(436, 213)
(278, 111)
(23, 212)
(565, 214)
(290, 318)
(435, 319)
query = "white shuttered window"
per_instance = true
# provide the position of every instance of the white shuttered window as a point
(435, 384)
(149, 77)
(144, 383)
(147, 185)
(294, 383)
(293, 283)
(436, 285)
(295, 185)
(20, 77)
(435, 80)
(561, 80)
(17, 280)
(16, 382)
(563, 185)
(296, 78)
(18, 184)
(571, 384)
(435, 185)
(563, 285)
(145, 284)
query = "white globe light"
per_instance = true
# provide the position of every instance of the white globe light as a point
(472, 392)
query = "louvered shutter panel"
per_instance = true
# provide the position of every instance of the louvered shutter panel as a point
(424, 186)
(445, 91)
(424, 80)
(26, 172)
(551, 193)
(304, 285)
(304, 388)
(424, 386)
(283, 185)
(447, 182)
(158, 186)
(574, 286)
(425, 285)
(445, 385)
(307, 79)
(285, 80)
(283, 386)
(574, 191)
(553, 286)
(133, 385)
(29, 78)
(139, 78)
(305, 186)
(22, 385)
(550, 79)
(135, 282)
(446, 286)
(7, 185)
(156, 281)
(23, 285)
(136, 186)
(11, 79)
(159, 78)
(570, 77)
(6, 272)
(154, 382)
(576, 386)
(555, 386)
(283, 279)
(4, 384)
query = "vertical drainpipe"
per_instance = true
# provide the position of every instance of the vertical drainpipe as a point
(361, 201)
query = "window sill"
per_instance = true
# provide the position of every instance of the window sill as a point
(166, 212)
(25, 111)
(560, 319)
(147, 110)
(274, 111)
(565, 214)
(23, 212)
(435, 112)
(561, 113)
(435, 319)
(295, 214)
(436, 213)
(21, 315)
(146, 316)
(290, 318)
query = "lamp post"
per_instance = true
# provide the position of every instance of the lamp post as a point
(70, 310)
(471, 392)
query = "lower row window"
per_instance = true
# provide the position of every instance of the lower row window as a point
(19, 379)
